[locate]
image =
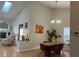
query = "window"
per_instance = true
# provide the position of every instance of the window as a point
(7, 6)
(67, 35)
(3, 29)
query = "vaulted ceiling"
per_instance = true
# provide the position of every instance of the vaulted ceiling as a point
(18, 6)
(15, 10)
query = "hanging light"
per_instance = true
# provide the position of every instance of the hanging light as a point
(53, 21)
(1, 21)
(57, 21)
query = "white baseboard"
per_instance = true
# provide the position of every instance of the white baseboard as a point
(27, 49)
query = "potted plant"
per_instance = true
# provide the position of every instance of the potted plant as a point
(52, 35)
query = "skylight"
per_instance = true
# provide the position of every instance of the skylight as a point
(7, 6)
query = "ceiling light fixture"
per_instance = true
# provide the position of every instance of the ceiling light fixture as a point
(57, 21)
(53, 21)
(1, 21)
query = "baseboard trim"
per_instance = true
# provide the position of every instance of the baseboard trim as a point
(27, 49)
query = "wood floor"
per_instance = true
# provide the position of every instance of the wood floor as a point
(7, 51)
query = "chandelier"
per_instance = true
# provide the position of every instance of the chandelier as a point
(56, 21)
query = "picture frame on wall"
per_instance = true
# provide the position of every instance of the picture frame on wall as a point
(39, 29)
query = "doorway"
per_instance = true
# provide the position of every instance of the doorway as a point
(20, 32)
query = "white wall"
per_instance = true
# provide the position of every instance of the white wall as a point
(62, 14)
(40, 15)
(22, 18)
(74, 28)
(36, 13)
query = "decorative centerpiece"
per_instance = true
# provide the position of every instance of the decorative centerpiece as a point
(52, 36)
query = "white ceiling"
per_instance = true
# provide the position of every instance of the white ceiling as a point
(18, 6)
(58, 4)
(15, 10)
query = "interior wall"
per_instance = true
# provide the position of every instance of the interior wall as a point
(40, 15)
(62, 14)
(74, 28)
(22, 18)
(36, 13)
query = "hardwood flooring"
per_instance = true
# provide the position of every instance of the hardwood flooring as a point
(9, 51)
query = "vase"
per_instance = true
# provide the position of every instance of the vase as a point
(54, 40)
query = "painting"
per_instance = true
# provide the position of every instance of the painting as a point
(39, 29)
